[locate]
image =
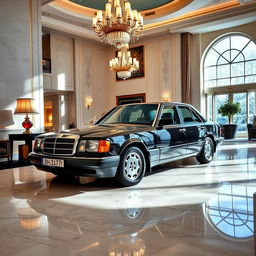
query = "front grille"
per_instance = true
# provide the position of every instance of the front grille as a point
(61, 144)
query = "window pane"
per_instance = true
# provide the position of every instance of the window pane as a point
(237, 69)
(222, 45)
(238, 42)
(227, 56)
(223, 82)
(237, 58)
(250, 51)
(250, 79)
(237, 80)
(223, 71)
(250, 67)
(240, 119)
(222, 60)
(211, 58)
(211, 83)
(219, 100)
(210, 73)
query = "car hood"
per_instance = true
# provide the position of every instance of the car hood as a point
(103, 131)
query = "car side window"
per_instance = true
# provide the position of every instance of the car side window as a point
(196, 117)
(169, 116)
(187, 115)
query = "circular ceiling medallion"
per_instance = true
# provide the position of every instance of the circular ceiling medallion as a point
(139, 5)
(149, 9)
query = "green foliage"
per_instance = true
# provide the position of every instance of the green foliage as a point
(229, 109)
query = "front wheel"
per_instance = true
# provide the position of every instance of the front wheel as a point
(132, 167)
(207, 152)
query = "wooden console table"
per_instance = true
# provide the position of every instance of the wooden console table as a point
(28, 138)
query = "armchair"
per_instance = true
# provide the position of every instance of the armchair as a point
(5, 151)
(251, 131)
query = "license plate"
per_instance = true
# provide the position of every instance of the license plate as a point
(53, 162)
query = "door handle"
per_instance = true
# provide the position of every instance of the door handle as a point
(201, 127)
(182, 130)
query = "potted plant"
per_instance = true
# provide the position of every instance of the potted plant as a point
(229, 109)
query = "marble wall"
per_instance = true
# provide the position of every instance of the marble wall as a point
(91, 83)
(20, 59)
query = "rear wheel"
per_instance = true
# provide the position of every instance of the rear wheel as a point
(132, 167)
(207, 152)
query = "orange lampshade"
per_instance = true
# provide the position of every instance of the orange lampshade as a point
(25, 106)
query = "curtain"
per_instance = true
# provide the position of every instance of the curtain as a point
(186, 39)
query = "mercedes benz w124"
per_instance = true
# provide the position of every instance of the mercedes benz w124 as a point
(128, 141)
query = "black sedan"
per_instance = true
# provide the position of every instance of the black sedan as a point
(128, 141)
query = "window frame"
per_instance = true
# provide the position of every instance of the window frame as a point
(230, 86)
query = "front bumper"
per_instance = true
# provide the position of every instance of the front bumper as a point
(104, 167)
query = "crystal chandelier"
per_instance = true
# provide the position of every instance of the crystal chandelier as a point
(119, 24)
(124, 64)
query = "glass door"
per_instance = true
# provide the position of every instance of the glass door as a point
(219, 100)
(251, 106)
(241, 118)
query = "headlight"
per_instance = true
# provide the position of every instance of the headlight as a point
(100, 146)
(38, 143)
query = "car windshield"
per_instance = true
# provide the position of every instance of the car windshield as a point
(131, 114)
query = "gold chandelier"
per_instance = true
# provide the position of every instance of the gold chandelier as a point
(119, 24)
(124, 64)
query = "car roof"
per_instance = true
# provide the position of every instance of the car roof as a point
(157, 102)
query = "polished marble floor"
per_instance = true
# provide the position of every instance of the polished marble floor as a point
(181, 209)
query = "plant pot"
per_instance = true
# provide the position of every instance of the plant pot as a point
(229, 131)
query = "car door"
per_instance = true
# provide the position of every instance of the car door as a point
(172, 138)
(195, 129)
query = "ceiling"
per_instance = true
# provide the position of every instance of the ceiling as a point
(160, 16)
(140, 5)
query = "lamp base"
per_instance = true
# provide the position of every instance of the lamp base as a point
(27, 124)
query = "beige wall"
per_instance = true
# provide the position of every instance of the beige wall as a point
(91, 81)
(20, 59)
(162, 71)
(199, 45)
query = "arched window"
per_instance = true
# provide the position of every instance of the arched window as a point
(231, 60)
(229, 73)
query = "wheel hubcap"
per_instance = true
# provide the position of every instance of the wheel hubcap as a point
(208, 150)
(133, 166)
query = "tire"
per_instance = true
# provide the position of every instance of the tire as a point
(132, 167)
(207, 152)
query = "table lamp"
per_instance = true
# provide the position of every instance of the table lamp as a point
(26, 106)
(6, 118)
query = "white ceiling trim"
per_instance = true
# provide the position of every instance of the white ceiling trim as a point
(68, 28)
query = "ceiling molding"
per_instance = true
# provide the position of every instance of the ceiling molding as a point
(205, 15)
(165, 9)
(45, 2)
(68, 28)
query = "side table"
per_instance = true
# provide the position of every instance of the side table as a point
(28, 138)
